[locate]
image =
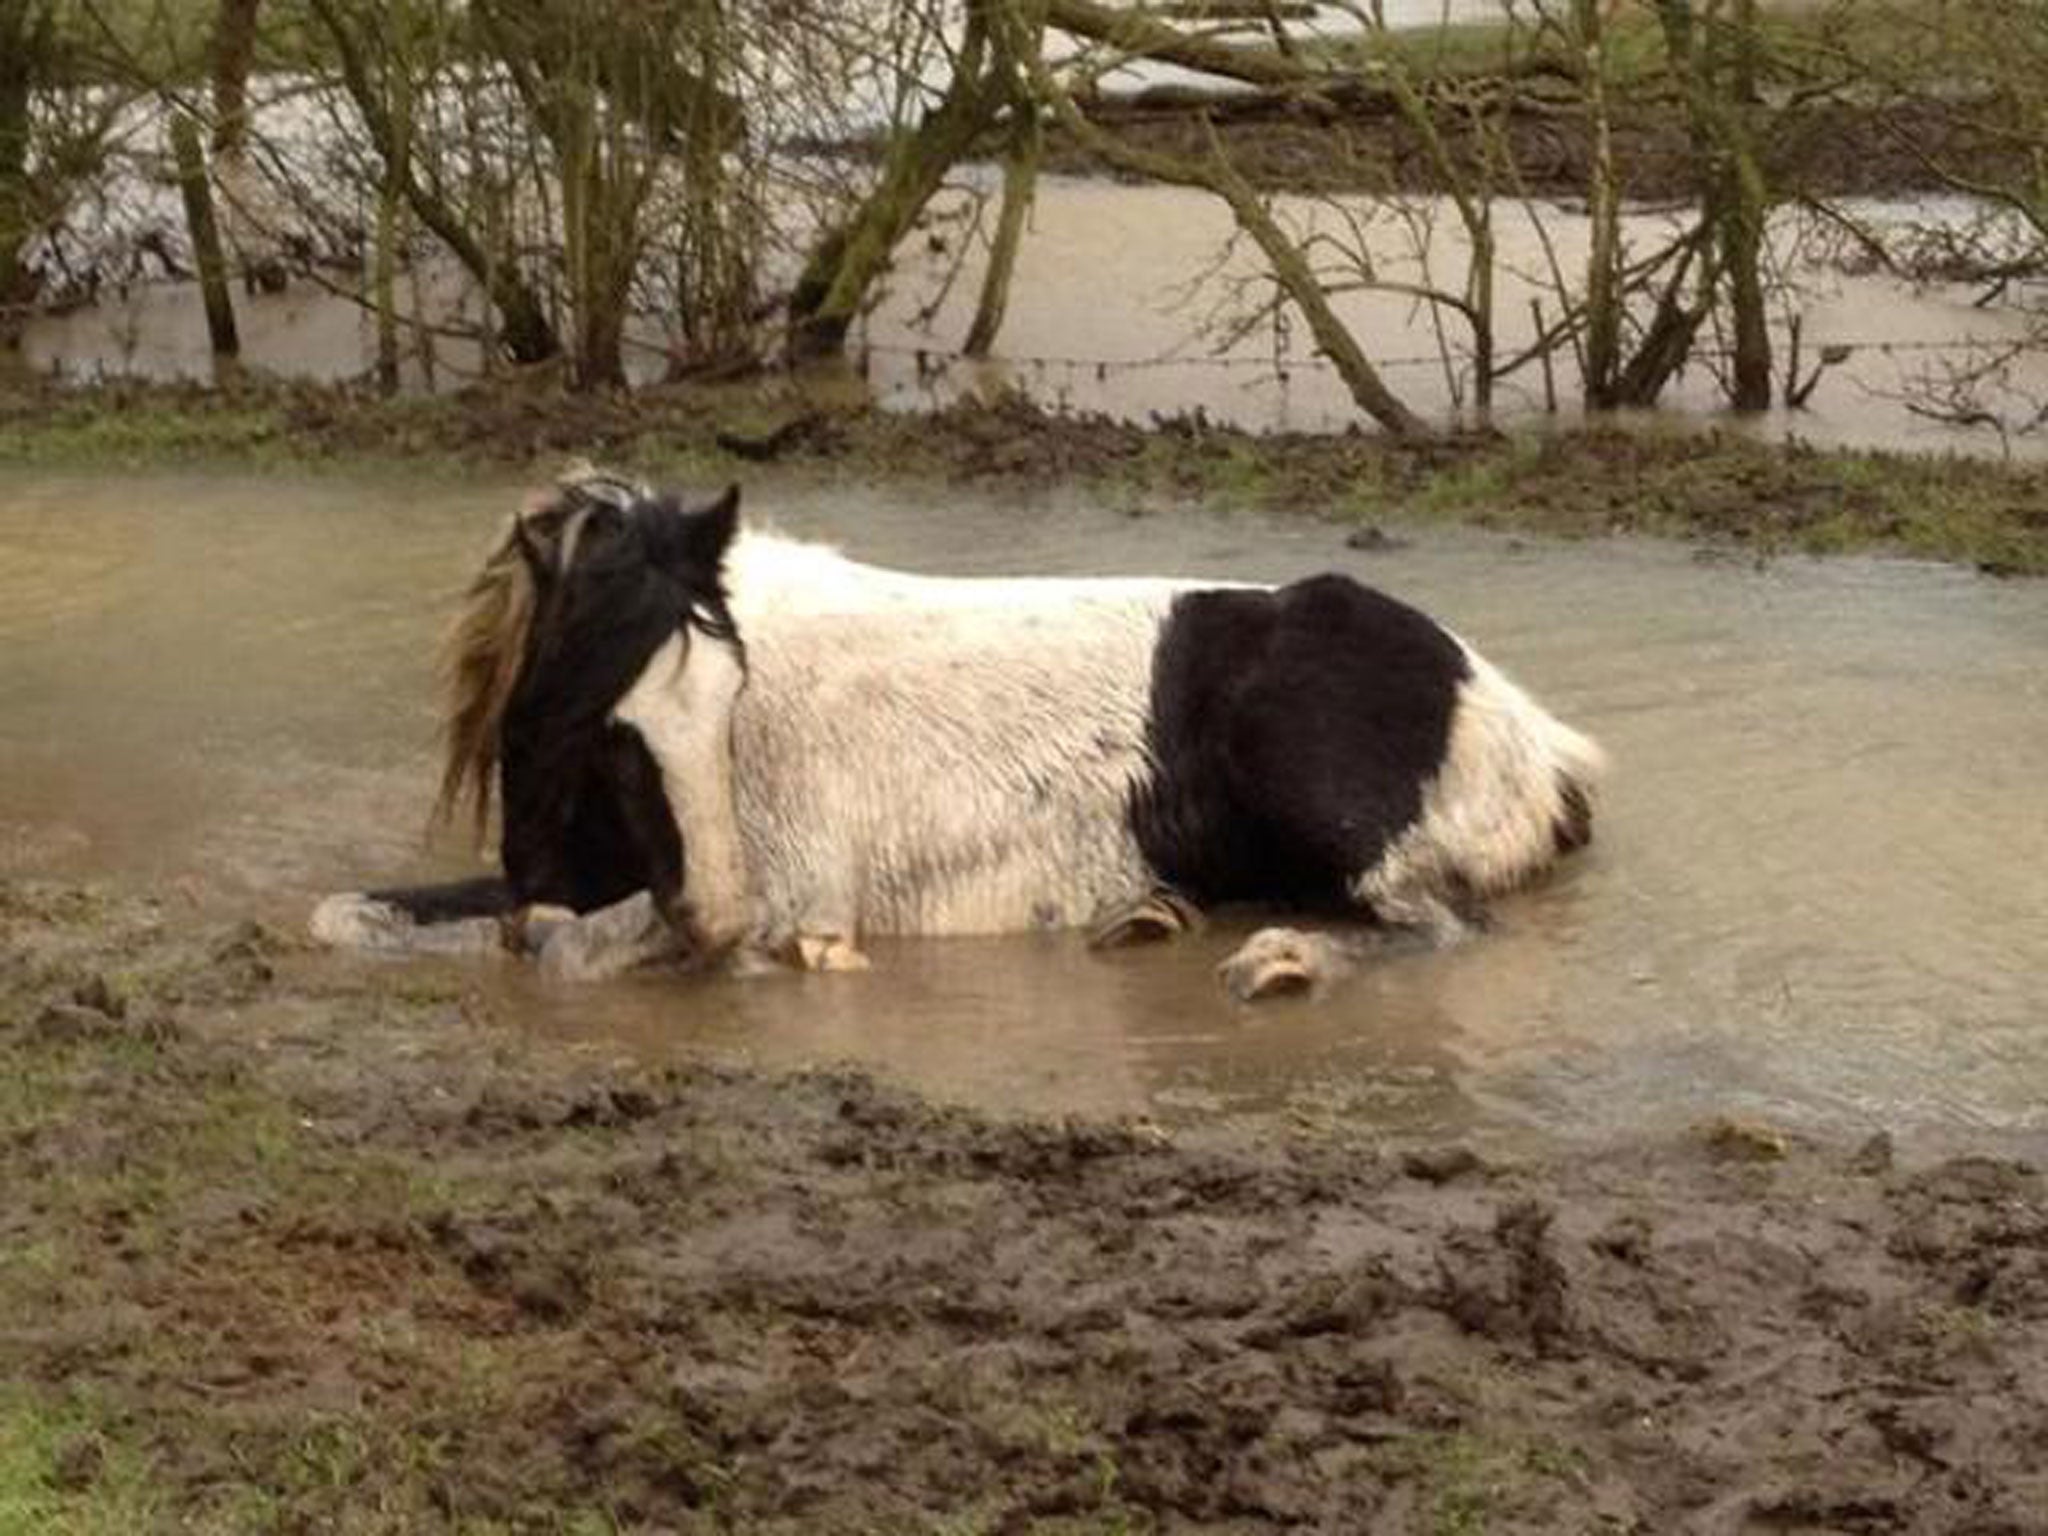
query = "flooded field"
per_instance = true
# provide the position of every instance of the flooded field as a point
(1152, 331)
(1815, 896)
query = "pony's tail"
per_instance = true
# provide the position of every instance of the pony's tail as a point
(481, 662)
(1517, 788)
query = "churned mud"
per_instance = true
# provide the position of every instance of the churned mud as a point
(293, 1243)
(1292, 144)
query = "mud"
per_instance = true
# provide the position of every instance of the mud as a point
(1283, 143)
(294, 1244)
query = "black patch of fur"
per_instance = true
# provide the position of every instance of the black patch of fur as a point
(586, 824)
(485, 896)
(1293, 733)
(585, 820)
(1574, 826)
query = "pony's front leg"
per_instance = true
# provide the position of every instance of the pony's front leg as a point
(461, 917)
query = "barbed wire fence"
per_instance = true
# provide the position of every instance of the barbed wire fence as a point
(1051, 378)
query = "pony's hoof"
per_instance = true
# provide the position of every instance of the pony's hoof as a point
(1150, 919)
(568, 954)
(750, 962)
(829, 952)
(528, 931)
(355, 921)
(606, 943)
(1282, 962)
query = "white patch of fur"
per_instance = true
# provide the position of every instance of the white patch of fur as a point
(1489, 817)
(352, 920)
(682, 706)
(936, 755)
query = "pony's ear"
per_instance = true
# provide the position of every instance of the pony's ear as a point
(523, 541)
(531, 542)
(710, 530)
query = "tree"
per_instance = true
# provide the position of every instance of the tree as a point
(371, 59)
(53, 140)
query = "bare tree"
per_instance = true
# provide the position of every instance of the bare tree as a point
(851, 255)
(368, 55)
(27, 55)
(54, 142)
(1713, 47)
(1290, 266)
(1971, 78)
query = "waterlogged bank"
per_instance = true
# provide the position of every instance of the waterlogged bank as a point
(1630, 477)
(297, 1243)
(1802, 898)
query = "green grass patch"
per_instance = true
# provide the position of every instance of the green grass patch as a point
(1712, 485)
(1465, 1480)
(62, 1473)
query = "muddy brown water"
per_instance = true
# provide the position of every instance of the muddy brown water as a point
(1152, 330)
(1819, 894)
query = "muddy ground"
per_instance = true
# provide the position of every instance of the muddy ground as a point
(292, 1243)
(1296, 144)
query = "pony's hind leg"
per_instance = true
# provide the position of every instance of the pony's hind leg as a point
(826, 952)
(1282, 962)
(1158, 914)
(1277, 962)
(1441, 909)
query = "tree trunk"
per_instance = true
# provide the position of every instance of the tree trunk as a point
(1742, 245)
(251, 231)
(1717, 75)
(25, 40)
(1742, 241)
(1020, 183)
(846, 262)
(390, 217)
(234, 55)
(207, 255)
(1601, 362)
(1667, 342)
(384, 284)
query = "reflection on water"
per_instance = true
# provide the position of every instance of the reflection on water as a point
(1150, 329)
(1817, 893)
(1138, 336)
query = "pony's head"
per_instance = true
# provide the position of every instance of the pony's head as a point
(588, 583)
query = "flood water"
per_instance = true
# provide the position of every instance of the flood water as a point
(1819, 893)
(1150, 330)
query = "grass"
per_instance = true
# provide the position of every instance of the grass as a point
(1464, 1479)
(62, 1473)
(1768, 498)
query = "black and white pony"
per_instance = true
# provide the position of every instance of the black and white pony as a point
(714, 741)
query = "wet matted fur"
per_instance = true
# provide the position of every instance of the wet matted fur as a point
(898, 753)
